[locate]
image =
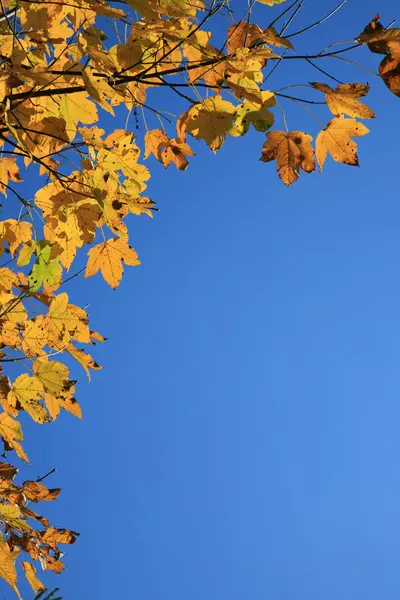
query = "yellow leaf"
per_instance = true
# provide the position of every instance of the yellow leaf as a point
(210, 121)
(8, 280)
(33, 581)
(54, 536)
(108, 257)
(52, 374)
(344, 100)
(84, 359)
(336, 140)
(77, 108)
(34, 337)
(8, 172)
(58, 319)
(98, 89)
(11, 432)
(7, 566)
(28, 392)
(4, 391)
(292, 152)
(153, 141)
(9, 511)
(271, 2)
(15, 233)
(52, 405)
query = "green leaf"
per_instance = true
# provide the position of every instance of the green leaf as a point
(46, 271)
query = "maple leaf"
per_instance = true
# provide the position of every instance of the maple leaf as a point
(38, 492)
(83, 359)
(166, 150)
(292, 152)
(336, 140)
(271, 2)
(46, 271)
(15, 233)
(77, 108)
(108, 257)
(7, 471)
(53, 375)
(344, 100)
(27, 391)
(389, 70)
(7, 566)
(256, 114)
(54, 536)
(11, 432)
(270, 36)
(34, 337)
(30, 574)
(8, 172)
(209, 121)
(98, 89)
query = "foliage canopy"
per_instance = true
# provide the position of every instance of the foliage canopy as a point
(68, 67)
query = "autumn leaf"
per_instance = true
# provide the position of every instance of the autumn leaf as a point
(336, 140)
(38, 492)
(210, 121)
(344, 100)
(98, 89)
(84, 359)
(270, 36)
(54, 536)
(7, 566)
(7, 471)
(11, 432)
(108, 257)
(27, 391)
(8, 172)
(53, 375)
(75, 109)
(47, 270)
(271, 2)
(379, 35)
(166, 150)
(292, 152)
(249, 113)
(15, 233)
(30, 574)
(153, 67)
(389, 70)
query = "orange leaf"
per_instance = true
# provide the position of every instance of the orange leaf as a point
(108, 257)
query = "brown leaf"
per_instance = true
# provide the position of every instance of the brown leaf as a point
(38, 492)
(7, 471)
(389, 70)
(292, 152)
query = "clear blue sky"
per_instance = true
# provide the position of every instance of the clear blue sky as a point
(242, 440)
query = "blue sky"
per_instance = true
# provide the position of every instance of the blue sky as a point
(242, 438)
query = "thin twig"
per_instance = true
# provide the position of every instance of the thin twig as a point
(325, 18)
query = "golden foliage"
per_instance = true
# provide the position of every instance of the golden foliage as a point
(62, 65)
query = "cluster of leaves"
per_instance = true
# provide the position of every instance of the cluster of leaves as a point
(65, 66)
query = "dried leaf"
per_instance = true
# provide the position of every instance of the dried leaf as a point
(292, 152)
